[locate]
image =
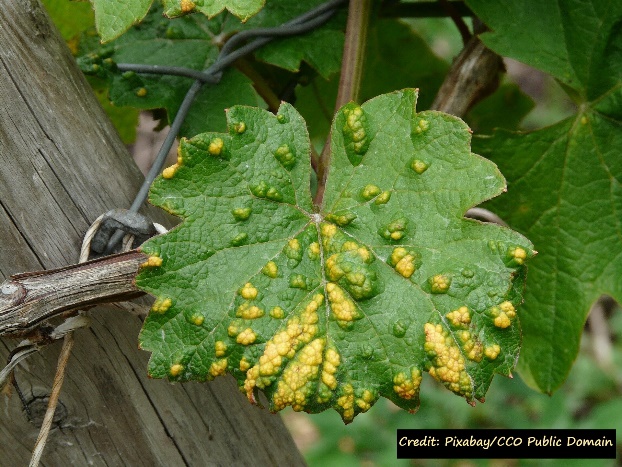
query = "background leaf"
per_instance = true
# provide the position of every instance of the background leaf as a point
(184, 42)
(336, 308)
(243, 9)
(114, 17)
(564, 181)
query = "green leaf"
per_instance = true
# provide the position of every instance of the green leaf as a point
(114, 17)
(71, 18)
(576, 41)
(334, 307)
(243, 9)
(505, 108)
(321, 48)
(564, 180)
(183, 42)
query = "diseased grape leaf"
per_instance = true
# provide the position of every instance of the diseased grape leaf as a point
(334, 307)
(565, 180)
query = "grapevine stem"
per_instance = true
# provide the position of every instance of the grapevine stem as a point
(359, 12)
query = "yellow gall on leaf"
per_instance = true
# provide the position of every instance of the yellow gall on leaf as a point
(518, 254)
(152, 262)
(447, 363)
(419, 166)
(422, 126)
(169, 172)
(459, 317)
(161, 305)
(176, 369)
(197, 320)
(270, 269)
(370, 191)
(342, 306)
(244, 364)
(218, 368)
(294, 244)
(142, 92)
(440, 283)
(406, 266)
(239, 127)
(248, 292)
(241, 214)
(508, 309)
(314, 251)
(277, 312)
(220, 348)
(246, 337)
(187, 6)
(383, 198)
(502, 321)
(215, 147)
(407, 387)
(346, 402)
(248, 311)
(492, 351)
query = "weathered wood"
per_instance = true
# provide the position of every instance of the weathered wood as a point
(62, 165)
(26, 300)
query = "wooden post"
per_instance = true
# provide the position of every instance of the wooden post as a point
(62, 165)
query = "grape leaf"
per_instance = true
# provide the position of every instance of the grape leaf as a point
(243, 9)
(114, 17)
(335, 307)
(183, 42)
(564, 180)
(321, 48)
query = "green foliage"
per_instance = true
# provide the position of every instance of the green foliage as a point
(194, 42)
(114, 17)
(243, 9)
(564, 180)
(333, 309)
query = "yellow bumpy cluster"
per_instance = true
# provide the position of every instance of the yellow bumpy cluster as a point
(342, 306)
(218, 368)
(403, 261)
(492, 351)
(518, 254)
(346, 402)
(298, 331)
(354, 128)
(331, 362)
(503, 314)
(161, 305)
(294, 387)
(472, 347)
(448, 365)
(460, 317)
(440, 283)
(407, 387)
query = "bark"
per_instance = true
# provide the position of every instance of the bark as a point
(62, 165)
